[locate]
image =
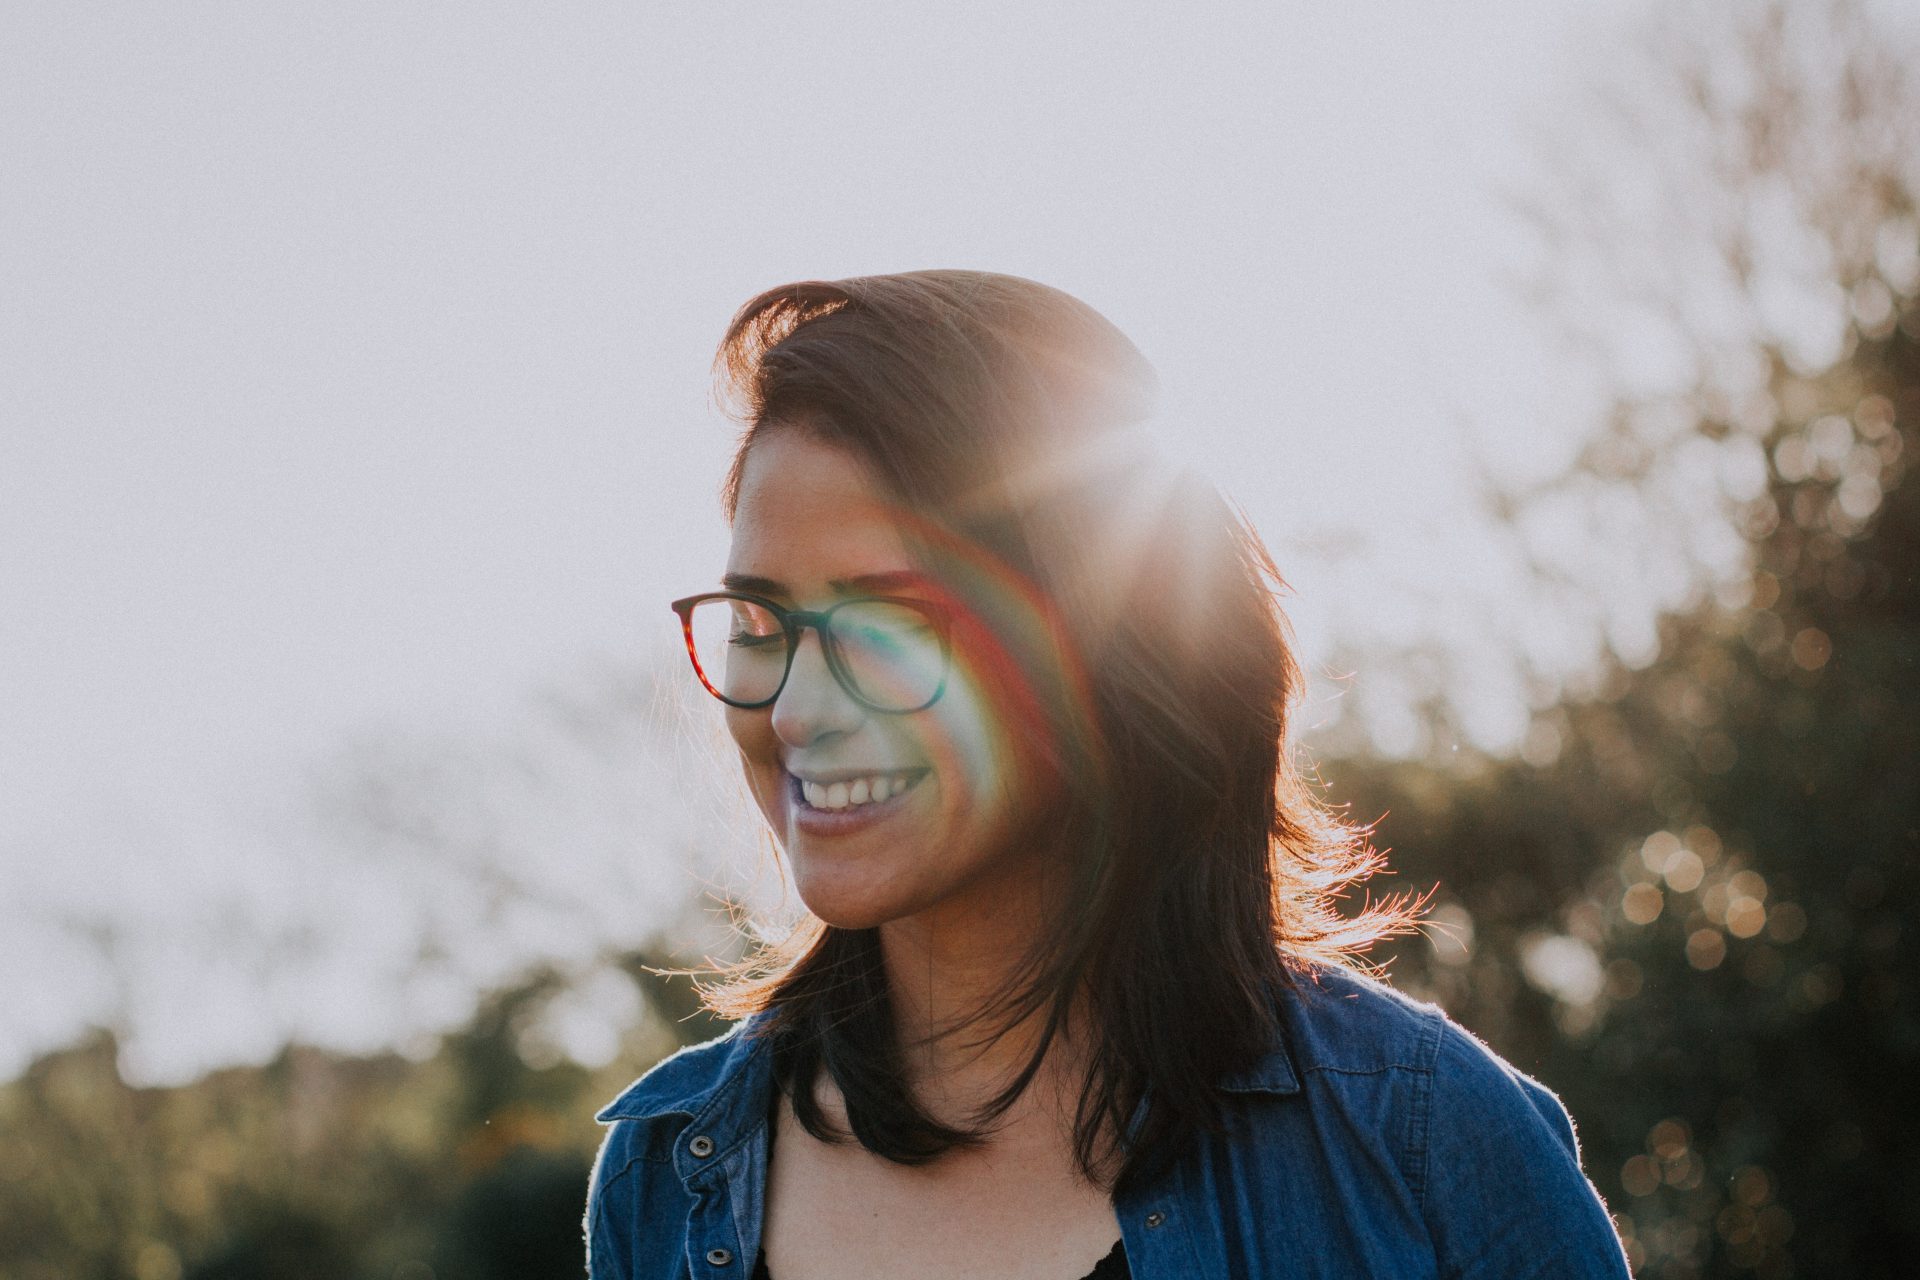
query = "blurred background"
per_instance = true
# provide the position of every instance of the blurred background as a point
(355, 431)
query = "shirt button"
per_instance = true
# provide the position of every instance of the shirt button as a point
(719, 1257)
(1156, 1218)
(701, 1146)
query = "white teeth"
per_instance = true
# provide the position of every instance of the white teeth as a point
(844, 795)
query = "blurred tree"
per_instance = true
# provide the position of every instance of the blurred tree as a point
(1709, 875)
(280, 1242)
(520, 1218)
(467, 1165)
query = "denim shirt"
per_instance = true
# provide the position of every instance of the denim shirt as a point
(1376, 1138)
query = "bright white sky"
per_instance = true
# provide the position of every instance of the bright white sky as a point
(353, 367)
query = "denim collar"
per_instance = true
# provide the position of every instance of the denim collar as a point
(721, 1090)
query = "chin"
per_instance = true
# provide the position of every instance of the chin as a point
(849, 902)
(849, 910)
(849, 922)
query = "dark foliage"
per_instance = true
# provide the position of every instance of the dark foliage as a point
(469, 1165)
(1715, 886)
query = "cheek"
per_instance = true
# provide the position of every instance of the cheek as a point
(984, 751)
(964, 745)
(752, 733)
(1008, 702)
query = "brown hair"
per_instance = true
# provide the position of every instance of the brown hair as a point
(1158, 677)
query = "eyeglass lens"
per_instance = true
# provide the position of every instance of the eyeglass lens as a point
(888, 654)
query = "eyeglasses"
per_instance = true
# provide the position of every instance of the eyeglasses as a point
(889, 654)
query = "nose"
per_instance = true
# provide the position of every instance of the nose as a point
(813, 704)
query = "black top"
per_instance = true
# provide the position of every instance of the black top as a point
(1111, 1267)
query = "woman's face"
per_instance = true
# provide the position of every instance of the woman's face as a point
(811, 527)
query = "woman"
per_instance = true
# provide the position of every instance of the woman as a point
(1072, 998)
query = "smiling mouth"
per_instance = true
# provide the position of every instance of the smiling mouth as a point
(855, 793)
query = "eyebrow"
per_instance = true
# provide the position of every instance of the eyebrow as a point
(895, 580)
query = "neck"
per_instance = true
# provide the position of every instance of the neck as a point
(943, 967)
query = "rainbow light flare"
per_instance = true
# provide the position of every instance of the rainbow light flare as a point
(1015, 659)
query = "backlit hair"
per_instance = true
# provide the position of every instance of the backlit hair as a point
(1142, 655)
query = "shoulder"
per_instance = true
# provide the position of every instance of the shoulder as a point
(688, 1111)
(1340, 1021)
(684, 1081)
(703, 1083)
(1489, 1153)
